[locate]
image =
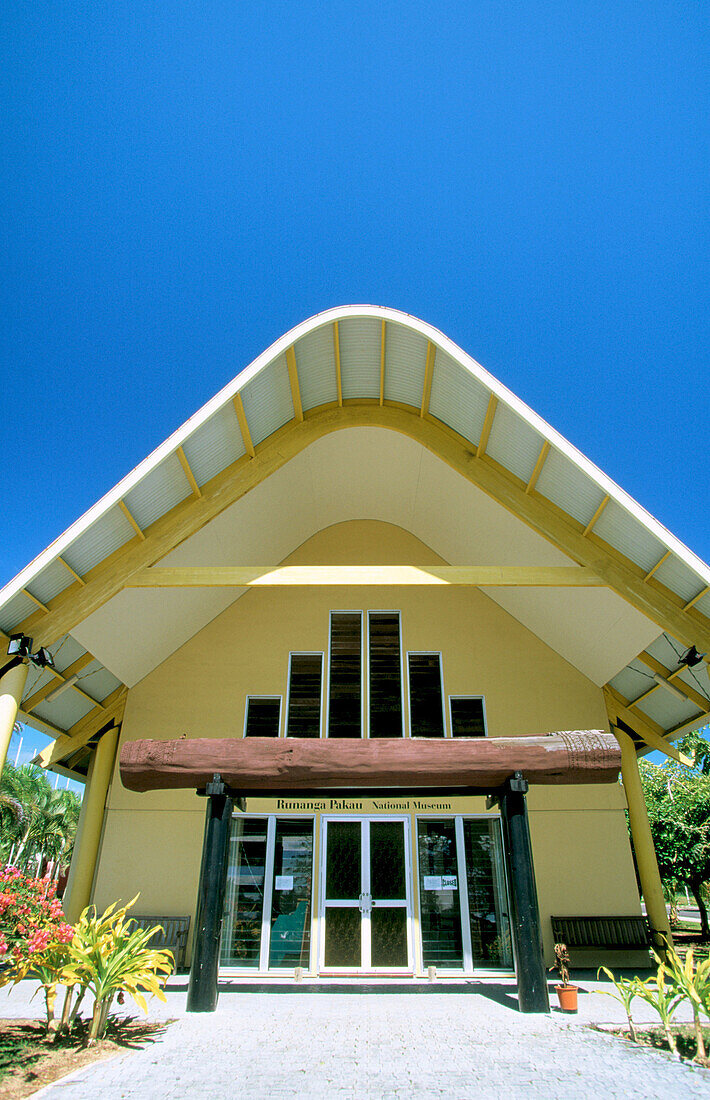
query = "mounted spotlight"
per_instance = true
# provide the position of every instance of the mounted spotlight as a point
(42, 658)
(19, 645)
(691, 657)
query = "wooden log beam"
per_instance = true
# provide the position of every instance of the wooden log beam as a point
(266, 764)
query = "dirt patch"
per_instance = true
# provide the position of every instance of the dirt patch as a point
(654, 1037)
(31, 1059)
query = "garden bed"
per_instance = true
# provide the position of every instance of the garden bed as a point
(654, 1037)
(30, 1058)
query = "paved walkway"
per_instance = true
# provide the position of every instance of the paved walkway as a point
(374, 1046)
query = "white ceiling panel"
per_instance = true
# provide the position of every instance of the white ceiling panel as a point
(562, 482)
(360, 344)
(156, 494)
(625, 534)
(457, 397)
(267, 400)
(405, 364)
(16, 611)
(51, 581)
(107, 534)
(514, 443)
(65, 711)
(215, 445)
(315, 362)
(676, 575)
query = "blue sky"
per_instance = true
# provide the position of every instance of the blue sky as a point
(183, 182)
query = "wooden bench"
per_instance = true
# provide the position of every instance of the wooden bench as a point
(172, 938)
(631, 933)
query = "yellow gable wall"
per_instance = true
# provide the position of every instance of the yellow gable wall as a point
(152, 842)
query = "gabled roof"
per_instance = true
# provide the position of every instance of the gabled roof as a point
(296, 416)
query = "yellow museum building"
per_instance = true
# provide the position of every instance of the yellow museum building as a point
(363, 537)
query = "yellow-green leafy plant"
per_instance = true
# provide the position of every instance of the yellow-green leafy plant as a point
(626, 991)
(662, 994)
(693, 982)
(110, 956)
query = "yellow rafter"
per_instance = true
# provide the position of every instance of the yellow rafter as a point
(673, 677)
(38, 603)
(83, 730)
(623, 576)
(336, 352)
(487, 425)
(73, 572)
(544, 451)
(188, 472)
(134, 524)
(293, 382)
(658, 565)
(73, 670)
(243, 426)
(645, 727)
(474, 576)
(596, 515)
(428, 375)
(692, 603)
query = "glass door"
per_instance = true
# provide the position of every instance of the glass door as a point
(365, 904)
(465, 924)
(267, 906)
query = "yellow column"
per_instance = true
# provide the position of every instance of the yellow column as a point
(643, 840)
(86, 846)
(12, 685)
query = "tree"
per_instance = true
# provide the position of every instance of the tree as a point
(678, 804)
(35, 820)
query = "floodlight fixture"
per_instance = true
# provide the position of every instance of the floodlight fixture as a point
(691, 657)
(19, 645)
(42, 658)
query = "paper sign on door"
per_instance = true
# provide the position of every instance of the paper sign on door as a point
(283, 882)
(449, 882)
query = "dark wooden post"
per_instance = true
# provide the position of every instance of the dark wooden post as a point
(532, 981)
(202, 991)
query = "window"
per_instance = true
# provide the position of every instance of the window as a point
(263, 716)
(468, 716)
(426, 698)
(304, 694)
(345, 682)
(385, 674)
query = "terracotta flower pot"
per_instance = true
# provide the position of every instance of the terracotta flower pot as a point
(567, 996)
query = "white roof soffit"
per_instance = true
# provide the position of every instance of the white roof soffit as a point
(460, 390)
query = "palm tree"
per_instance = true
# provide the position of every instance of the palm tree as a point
(36, 820)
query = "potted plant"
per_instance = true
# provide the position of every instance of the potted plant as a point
(566, 992)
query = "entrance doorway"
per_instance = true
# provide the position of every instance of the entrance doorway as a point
(366, 909)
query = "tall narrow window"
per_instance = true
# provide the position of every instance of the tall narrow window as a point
(426, 701)
(345, 683)
(263, 716)
(385, 674)
(468, 716)
(304, 694)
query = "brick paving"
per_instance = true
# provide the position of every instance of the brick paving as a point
(376, 1046)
